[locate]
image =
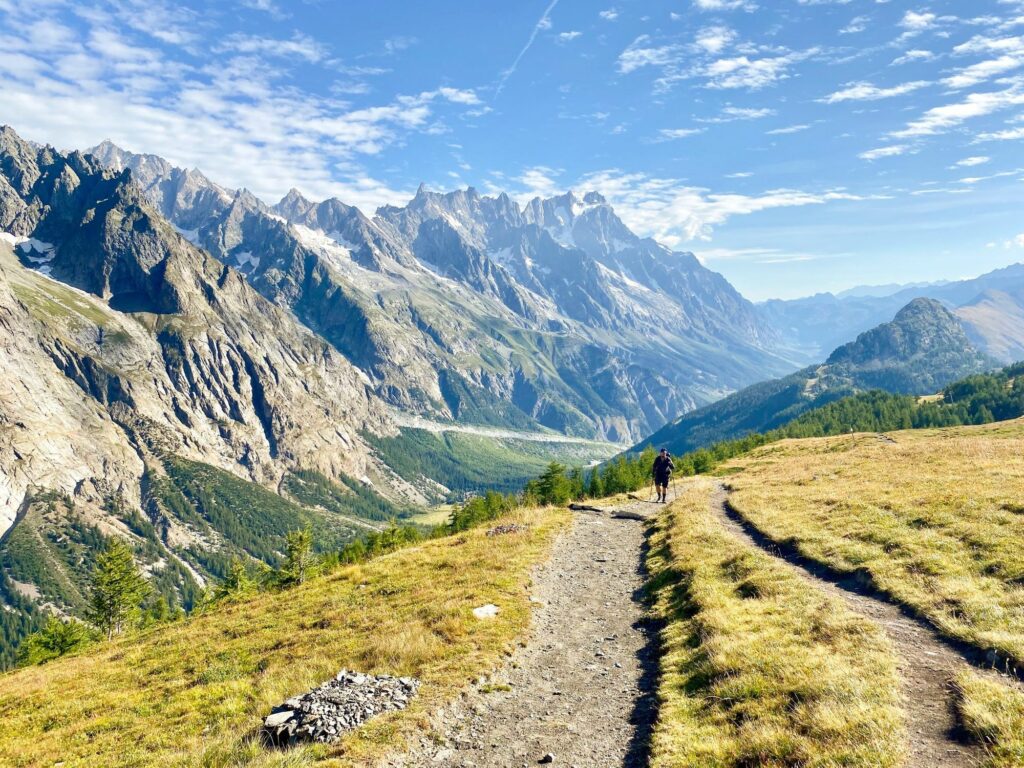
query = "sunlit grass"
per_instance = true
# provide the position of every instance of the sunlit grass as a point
(936, 519)
(193, 693)
(994, 714)
(759, 667)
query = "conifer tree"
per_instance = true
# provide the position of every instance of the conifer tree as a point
(118, 589)
(299, 561)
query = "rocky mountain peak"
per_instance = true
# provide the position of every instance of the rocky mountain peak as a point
(924, 326)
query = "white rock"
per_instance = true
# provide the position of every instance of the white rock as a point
(278, 718)
(488, 611)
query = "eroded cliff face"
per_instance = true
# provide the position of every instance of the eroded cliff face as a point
(50, 435)
(120, 340)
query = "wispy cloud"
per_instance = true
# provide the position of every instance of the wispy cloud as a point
(893, 150)
(671, 134)
(869, 92)
(943, 118)
(970, 162)
(788, 129)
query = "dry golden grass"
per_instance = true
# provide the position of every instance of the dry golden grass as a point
(759, 667)
(994, 715)
(936, 519)
(193, 693)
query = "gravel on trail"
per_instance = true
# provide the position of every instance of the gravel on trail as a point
(580, 692)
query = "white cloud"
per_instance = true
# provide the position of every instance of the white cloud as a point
(455, 95)
(915, 23)
(941, 119)
(754, 74)
(674, 212)
(893, 150)
(756, 255)
(869, 92)
(670, 134)
(1010, 134)
(788, 129)
(609, 14)
(724, 5)
(856, 26)
(732, 114)
(299, 45)
(914, 55)
(640, 54)
(970, 162)
(983, 70)
(714, 39)
(570, 35)
(538, 181)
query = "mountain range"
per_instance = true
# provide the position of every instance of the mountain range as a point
(990, 307)
(920, 351)
(473, 308)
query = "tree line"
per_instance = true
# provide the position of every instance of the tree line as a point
(978, 399)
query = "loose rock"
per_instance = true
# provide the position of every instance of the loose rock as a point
(327, 712)
(488, 611)
(502, 530)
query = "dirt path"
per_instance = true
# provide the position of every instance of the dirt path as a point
(582, 687)
(925, 662)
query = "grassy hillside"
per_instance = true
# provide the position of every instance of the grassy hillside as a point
(933, 517)
(192, 693)
(198, 518)
(760, 668)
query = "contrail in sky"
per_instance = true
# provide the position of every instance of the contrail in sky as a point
(543, 23)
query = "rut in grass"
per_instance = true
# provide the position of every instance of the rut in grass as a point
(927, 663)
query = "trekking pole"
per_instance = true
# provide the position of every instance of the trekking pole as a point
(650, 496)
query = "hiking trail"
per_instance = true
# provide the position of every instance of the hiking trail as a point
(582, 686)
(926, 662)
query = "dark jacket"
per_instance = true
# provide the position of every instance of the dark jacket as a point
(663, 467)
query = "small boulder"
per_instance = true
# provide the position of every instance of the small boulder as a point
(488, 611)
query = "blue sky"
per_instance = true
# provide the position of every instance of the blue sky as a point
(794, 145)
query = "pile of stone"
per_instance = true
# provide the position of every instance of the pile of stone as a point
(501, 530)
(326, 713)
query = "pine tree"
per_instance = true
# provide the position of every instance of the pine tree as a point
(55, 639)
(553, 486)
(236, 583)
(299, 561)
(118, 589)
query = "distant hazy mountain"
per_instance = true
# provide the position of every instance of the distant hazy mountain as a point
(469, 307)
(880, 291)
(920, 351)
(816, 324)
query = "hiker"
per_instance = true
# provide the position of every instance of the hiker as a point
(663, 467)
